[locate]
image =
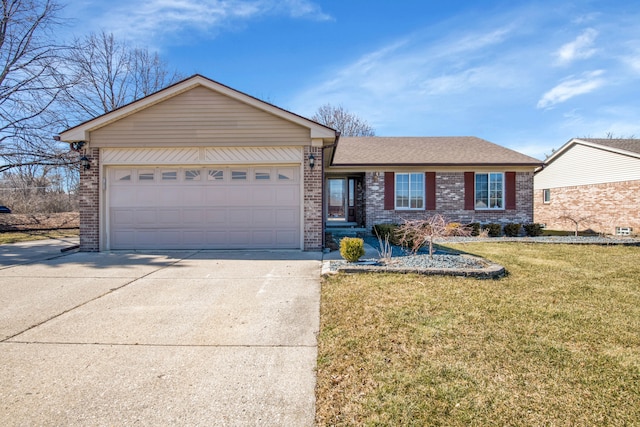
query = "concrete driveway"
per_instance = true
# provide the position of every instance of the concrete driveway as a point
(184, 338)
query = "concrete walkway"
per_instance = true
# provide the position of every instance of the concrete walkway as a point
(173, 338)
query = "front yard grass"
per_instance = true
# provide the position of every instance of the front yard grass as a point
(556, 342)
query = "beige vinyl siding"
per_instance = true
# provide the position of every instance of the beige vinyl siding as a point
(583, 165)
(200, 117)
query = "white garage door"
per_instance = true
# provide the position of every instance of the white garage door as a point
(204, 207)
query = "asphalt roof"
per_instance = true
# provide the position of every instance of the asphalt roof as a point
(435, 150)
(631, 145)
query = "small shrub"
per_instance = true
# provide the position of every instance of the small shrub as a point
(475, 228)
(494, 230)
(387, 231)
(533, 229)
(351, 248)
(512, 229)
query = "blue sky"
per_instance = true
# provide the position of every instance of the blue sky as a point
(526, 75)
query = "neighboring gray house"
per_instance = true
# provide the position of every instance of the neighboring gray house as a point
(201, 165)
(594, 182)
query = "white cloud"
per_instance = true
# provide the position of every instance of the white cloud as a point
(580, 48)
(167, 18)
(572, 87)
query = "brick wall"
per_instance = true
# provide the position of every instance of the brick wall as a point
(313, 212)
(449, 202)
(600, 207)
(90, 203)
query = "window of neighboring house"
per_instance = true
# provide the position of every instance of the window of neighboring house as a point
(546, 195)
(489, 190)
(409, 190)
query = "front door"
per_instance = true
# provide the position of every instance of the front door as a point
(341, 206)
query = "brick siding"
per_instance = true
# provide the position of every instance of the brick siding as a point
(449, 202)
(313, 212)
(90, 203)
(599, 207)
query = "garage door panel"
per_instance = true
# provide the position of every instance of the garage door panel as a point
(215, 196)
(192, 196)
(122, 217)
(263, 217)
(263, 196)
(286, 217)
(239, 238)
(263, 238)
(146, 238)
(125, 238)
(145, 217)
(166, 238)
(286, 237)
(288, 195)
(193, 216)
(193, 239)
(215, 239)
(169, 217)
(259, 211)
(239, 196)
(216, 216)
(239, 217)
(144, 197)
(169, 195)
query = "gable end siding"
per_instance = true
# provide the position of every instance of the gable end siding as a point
(582, 165)
(200, 117)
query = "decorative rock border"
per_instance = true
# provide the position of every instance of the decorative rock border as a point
(491, 270)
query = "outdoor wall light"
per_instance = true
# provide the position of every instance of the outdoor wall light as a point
(312, 161)
(86, 164)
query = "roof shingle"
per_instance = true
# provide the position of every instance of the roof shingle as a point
(436, 151)
(631, 145)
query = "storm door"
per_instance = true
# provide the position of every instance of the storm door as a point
(341, 205)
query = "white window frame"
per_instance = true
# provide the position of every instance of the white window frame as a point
(475, 192)
(395, 191)
(546, 195)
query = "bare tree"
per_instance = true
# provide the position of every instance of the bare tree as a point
(414, 234)
(577, 218)
(110, 74)
(31, 82)
(341, 120)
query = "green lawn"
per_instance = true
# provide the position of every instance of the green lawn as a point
(556, 342)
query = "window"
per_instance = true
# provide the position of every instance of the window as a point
(123, 175)
(238, 175)
(489, 191)
(262, 175)
(285, 174)
(169, 175)
(215, 175)
(145, 175)
(192, 175)
(546, 195)
(409, 191)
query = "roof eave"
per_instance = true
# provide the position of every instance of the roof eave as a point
(437, 164)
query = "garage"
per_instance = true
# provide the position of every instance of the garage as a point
(212, 207)
(199, 165)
